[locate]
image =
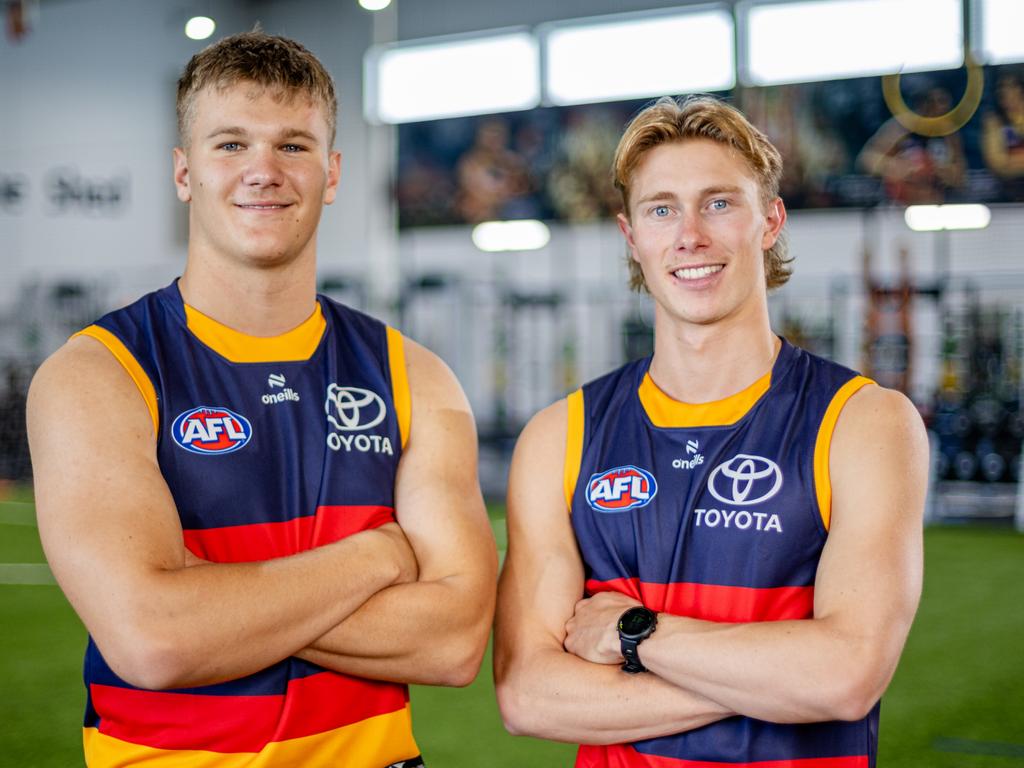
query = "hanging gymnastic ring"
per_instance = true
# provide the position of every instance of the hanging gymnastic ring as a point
(940, 125)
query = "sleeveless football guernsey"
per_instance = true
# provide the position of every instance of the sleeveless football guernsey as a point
(716, 511)
(270, 446)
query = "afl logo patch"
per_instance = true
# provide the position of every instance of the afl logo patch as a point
(211, 430)
(621, 488)
(745, 479)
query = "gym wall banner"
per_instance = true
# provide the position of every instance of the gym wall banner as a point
(65, 191)
(933, 137)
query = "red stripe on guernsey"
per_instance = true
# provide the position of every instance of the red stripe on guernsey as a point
(189, 721)
(265, 541)
(713, 602)
(623, 756)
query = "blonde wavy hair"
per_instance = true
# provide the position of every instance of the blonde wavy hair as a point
(671, 120)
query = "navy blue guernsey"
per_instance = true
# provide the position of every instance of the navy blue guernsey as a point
(269, 447)
(717, 512)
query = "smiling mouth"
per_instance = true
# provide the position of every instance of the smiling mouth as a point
(262, 206)
(696, 273)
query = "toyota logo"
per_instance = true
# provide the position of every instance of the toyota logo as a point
(753, 479)
(351, 409)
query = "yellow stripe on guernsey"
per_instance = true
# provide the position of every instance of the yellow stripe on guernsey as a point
(663, 411)
(370, 743)
(130, 364)
(823, 444)
(297, 344)
(399, 383)
(573, 444)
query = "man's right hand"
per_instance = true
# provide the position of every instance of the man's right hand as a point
(395, 547)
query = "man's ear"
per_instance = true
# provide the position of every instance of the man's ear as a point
(627, 232)
(333, 176)
(182, 182)
(775, 219)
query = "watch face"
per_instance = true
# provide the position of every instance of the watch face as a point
(635, 622)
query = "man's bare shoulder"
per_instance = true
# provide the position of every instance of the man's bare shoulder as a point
(83, 374)
(431, 381)
(538, 463)
(548, 426)
(879, 460)
(878, 415)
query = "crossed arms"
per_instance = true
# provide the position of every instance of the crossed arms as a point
(410, 603)
(557, 656)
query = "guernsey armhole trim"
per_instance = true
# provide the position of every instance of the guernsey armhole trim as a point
(295, 345)
(823, 445)
(130, 364)
(399, 383)
(573, 445)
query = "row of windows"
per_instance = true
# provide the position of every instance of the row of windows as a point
(685, 50)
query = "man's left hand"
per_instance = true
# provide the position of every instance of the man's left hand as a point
(592, 633)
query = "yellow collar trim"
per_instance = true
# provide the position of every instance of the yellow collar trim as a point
(297, 344)
(663, 411)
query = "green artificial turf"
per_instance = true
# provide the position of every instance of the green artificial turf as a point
(956, 700)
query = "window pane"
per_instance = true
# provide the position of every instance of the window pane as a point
(634, 57)
(807, 41)
(1002, 30)
(445, 79)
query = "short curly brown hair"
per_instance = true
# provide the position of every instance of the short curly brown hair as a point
(702, 117)
(265, 60)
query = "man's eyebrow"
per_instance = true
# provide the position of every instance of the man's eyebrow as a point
(717, 189)
(728, 189)
(231, 129)
(296, 133)
(652, 196)
(287, 133)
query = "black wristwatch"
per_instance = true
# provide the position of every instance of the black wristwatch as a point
(635, 626)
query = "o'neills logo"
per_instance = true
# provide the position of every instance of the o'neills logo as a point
(288, 394)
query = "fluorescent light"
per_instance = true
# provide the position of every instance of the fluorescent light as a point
(1001, 25)
(498, 73)
(523, 235)
(375, 5)
(807, 41)
(628, 57)
(199, 27)
(933, 218)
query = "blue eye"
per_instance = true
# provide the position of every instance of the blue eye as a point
(230, 146)
(661, 210)
(719, 205)
(292, 148)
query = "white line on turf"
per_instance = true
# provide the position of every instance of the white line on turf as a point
(12, 513)
(31, 574)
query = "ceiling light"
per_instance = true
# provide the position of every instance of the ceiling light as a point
(933, 218)
(375, 5)
(200, 27)
(522, 235)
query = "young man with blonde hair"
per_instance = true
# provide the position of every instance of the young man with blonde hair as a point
(714, 553)
(262, 504)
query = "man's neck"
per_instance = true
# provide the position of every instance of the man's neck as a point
(255, 301)
(701, 364)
